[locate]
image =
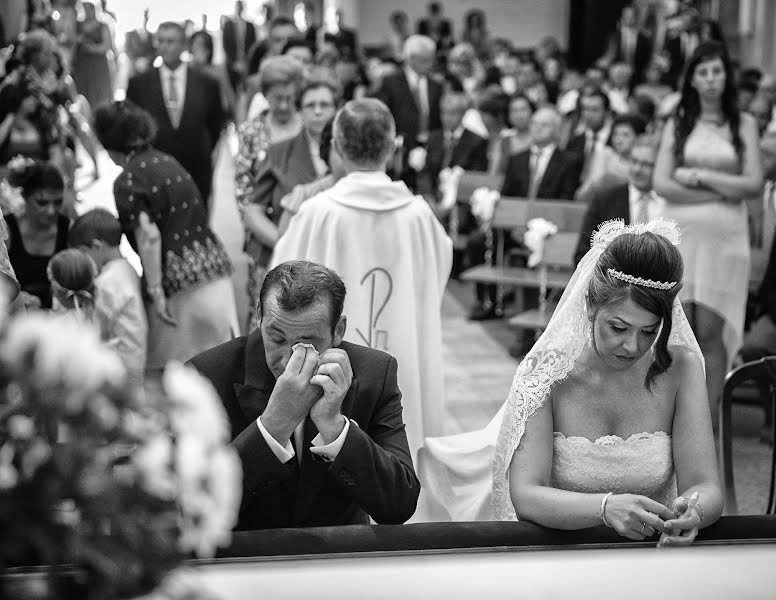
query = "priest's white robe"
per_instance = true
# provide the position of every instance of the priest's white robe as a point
(395, 258)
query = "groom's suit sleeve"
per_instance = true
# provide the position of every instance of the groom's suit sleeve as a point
(374, 466)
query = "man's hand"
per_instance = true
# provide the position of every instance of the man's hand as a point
(334, 376)
(293, 395)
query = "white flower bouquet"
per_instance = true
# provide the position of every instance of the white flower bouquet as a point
(119, 484)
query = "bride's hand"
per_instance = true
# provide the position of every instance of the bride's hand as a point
(636, 517)
(682, 529)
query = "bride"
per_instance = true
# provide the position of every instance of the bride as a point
(607, 418)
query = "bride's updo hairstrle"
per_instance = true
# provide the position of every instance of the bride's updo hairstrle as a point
(643, 255)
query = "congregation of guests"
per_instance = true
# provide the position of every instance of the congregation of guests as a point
(336, 382)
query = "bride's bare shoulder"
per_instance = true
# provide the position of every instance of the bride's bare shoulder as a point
(684, 362)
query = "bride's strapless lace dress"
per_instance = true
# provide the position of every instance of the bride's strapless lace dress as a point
(641, 464)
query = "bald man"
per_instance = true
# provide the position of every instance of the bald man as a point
(544, 170)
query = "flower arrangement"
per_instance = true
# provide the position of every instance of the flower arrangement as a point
(121, 485)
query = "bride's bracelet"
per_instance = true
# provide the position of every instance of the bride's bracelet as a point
(602, 511)
(698, 507)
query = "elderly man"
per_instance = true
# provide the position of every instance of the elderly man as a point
(413, 97)
(317, 421)
(392, 253)
(544, 170)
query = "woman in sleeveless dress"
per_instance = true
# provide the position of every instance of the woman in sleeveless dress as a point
(709, 161)
(607, 419)
(40, 231)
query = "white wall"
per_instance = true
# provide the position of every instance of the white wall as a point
(525, 22)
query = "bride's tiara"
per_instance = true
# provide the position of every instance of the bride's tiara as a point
(658, 285)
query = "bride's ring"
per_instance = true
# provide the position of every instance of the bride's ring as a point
(643, 527)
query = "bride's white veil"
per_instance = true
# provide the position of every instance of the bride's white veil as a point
(553, 356)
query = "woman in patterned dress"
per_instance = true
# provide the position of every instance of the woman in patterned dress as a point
(187, 273)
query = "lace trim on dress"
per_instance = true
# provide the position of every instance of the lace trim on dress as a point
(613, 440)
(198, 263)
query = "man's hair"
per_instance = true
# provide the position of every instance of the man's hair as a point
(300, 284)
(173, 25)
(495, 102)
(419, 44)
(594, 92)
(296, 42)
(457, 99)
(364, 132)
(97, 224)
(280, 21)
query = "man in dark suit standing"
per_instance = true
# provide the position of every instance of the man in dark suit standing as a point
(680, 46)
(238, 37)
(634, 202)
(317, 421)
(436, 27)
(593, 130)
(186, 104)
(628, 44)
(413, 97)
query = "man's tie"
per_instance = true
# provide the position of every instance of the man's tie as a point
(449, 147)
(535, 176)
(422, 108)
(642, 208)
(173, 102)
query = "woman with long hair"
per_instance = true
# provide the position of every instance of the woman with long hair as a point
(40, 231)
(708, 162)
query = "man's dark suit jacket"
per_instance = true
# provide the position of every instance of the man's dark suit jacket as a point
(673, 48)
(442, 36)
(192, 143)
(396, 94)
(230, 39)
(470, 152)
(560, 179)
(641, 56)
(612, 204)
(766, 295)
(372, 474)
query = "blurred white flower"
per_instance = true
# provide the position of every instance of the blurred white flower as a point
(449, 179)
(154, 464)
(196, 408)
(9, 477)
(21, 427)
(60, 351)
(209, 498)
(538, 231)
(417, 158)
(483, 203)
